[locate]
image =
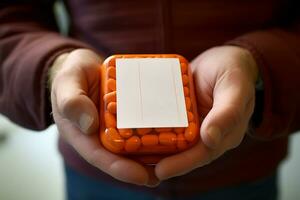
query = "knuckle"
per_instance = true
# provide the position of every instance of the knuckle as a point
(91, 59)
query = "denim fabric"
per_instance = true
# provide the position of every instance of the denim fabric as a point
(80, 187)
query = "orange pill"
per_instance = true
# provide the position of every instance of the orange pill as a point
(163, 129)
(179, 130)
(112, 107)
(167, 138)
(190, 132)
(143, 131)
(110, 97)
(182, 59)
(185, 79)
(181, 142)
(111, 72)
(183, 67)
(190, 116)
(132, 144)
(111, 85)
(125, 132)
(112, 140)
(188, 103)
(186, 91)
(110, 120)
(149, 140)
(112, 62)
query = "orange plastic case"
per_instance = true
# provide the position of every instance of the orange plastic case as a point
(146, 144)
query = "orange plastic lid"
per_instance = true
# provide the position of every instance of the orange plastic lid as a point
(145, 144)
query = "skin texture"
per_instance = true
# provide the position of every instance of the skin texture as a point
(74, 84)
(225, 87)
(224, 81)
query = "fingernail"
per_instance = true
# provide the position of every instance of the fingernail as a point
(85, 122)
(215, 136)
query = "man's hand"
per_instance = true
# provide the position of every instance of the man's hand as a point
(225, 88)
(74, 80)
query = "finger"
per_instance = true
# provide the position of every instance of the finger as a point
(70, 90)
(120, 168)
(231, 96)
(153, 181)
(89, 148)
(183, 162)
(234, 138)
(195, 157)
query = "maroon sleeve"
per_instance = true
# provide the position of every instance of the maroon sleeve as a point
(277, 53)
(28, 44)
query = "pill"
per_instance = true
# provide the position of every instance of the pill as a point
(113, 140)
(112, 107)
(188, 103)
(183, 67)
(163, 129)
(167, 138)
(190, 132)
(149, 140)
(190, 116)
(181, 142)
(185, 79)
(110, 120)
(182, 59)
(179, 130)
(167, 56)
(143, 131)
(111, 84)
(112, 62)
(111, 72)
(132, 144)
(110, 97)
(186, 91)
(125, 132)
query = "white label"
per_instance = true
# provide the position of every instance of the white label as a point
(150, 93)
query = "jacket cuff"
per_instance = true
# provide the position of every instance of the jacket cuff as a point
(277, 66)
(37, 61)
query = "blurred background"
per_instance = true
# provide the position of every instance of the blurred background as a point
(31, 167)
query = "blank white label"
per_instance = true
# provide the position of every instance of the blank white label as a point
(150, 93)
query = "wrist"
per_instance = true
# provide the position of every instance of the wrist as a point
(56, 66)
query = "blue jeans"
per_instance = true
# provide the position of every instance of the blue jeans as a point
(80, 187)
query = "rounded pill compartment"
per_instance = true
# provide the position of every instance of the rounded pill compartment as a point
(145, 142)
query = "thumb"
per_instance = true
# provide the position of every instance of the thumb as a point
(70, 93)
(231, 98)
(80, 110)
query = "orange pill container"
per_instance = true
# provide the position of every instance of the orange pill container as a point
(147, 145)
